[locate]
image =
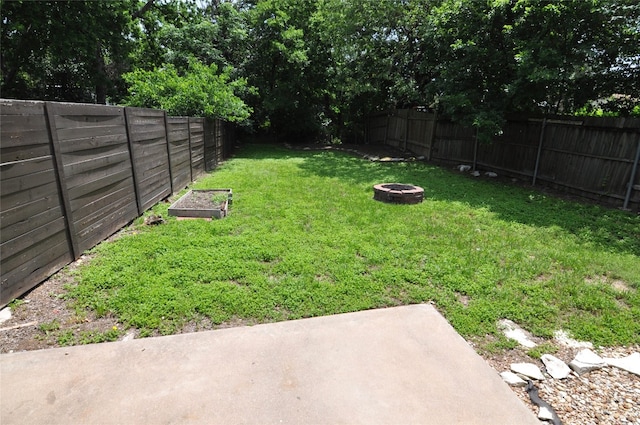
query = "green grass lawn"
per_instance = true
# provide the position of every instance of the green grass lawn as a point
(305, 238)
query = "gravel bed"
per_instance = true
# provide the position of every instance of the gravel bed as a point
(606, 396)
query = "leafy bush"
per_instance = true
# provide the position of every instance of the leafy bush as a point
(200, 91)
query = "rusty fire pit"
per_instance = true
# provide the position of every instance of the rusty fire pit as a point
(398, 193)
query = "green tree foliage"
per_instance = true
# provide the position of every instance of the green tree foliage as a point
(320, 67)
(199, 48)
(199, 91)
(474, 62)
(365, 60)
(281, 64)
(154, 19)
(547, 56)
(218, 37)
(571, 52)
(64, 50)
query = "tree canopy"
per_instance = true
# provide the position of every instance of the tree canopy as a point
(316, 69)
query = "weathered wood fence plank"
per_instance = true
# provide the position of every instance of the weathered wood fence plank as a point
(90, 173)
(179, 152)
(34, 242)
(150, 156)
(73, 174)
(196, 136)
(211, 129)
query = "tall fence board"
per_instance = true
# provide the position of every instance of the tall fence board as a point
(419, 132)
(590, 157)
(34, 242)
(213, 130)
(73, 174)
(150, 155)
(91, 146)
(452, 142)
(179, 152)
(396, 129)
(196, 134)
(515, 149)
(226, 140)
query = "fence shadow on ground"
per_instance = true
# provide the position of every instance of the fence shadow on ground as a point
(610, 229)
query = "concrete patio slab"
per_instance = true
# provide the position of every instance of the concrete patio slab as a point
(403, 365)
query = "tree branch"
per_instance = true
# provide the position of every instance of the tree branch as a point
(137, 14)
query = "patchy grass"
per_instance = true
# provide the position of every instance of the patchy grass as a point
(305, 238)
(539, 350)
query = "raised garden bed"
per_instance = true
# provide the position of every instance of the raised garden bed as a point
(202, 203)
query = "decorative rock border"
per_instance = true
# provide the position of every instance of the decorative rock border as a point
(398, 193)
(590, 389)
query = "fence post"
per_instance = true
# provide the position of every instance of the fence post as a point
(386, 129)
(219, 140)
(433, 134)
(535, 170)
(136, 178)
(216, 129)
(475, 151)
(72, 237)
(190, 152)
(166, 132)
(406, 129)
(207, 135)
(634, 170)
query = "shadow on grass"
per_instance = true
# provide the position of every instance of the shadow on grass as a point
(266, 151)
(609, 229)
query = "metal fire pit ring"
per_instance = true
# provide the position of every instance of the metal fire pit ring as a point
(398, 193)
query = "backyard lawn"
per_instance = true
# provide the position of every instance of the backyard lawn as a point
(305, 238)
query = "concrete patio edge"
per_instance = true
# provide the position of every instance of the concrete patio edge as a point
(388, 366)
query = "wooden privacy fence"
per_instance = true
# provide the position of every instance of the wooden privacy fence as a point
(73, 174)
(592, 157)
(406, 129)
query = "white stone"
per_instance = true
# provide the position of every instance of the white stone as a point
(513, 379)
(565, 339)
(630, 363)
(555, 367)
(544, 414)
(586, 361)
(5, 314)
(513, 331)
(528, 369)
(129, 336)
(588, 356)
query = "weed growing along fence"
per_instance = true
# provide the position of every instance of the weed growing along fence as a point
(592, 157)
(73, 174)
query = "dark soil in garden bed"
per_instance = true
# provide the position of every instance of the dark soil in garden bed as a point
(198, 200)
(203, 203)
